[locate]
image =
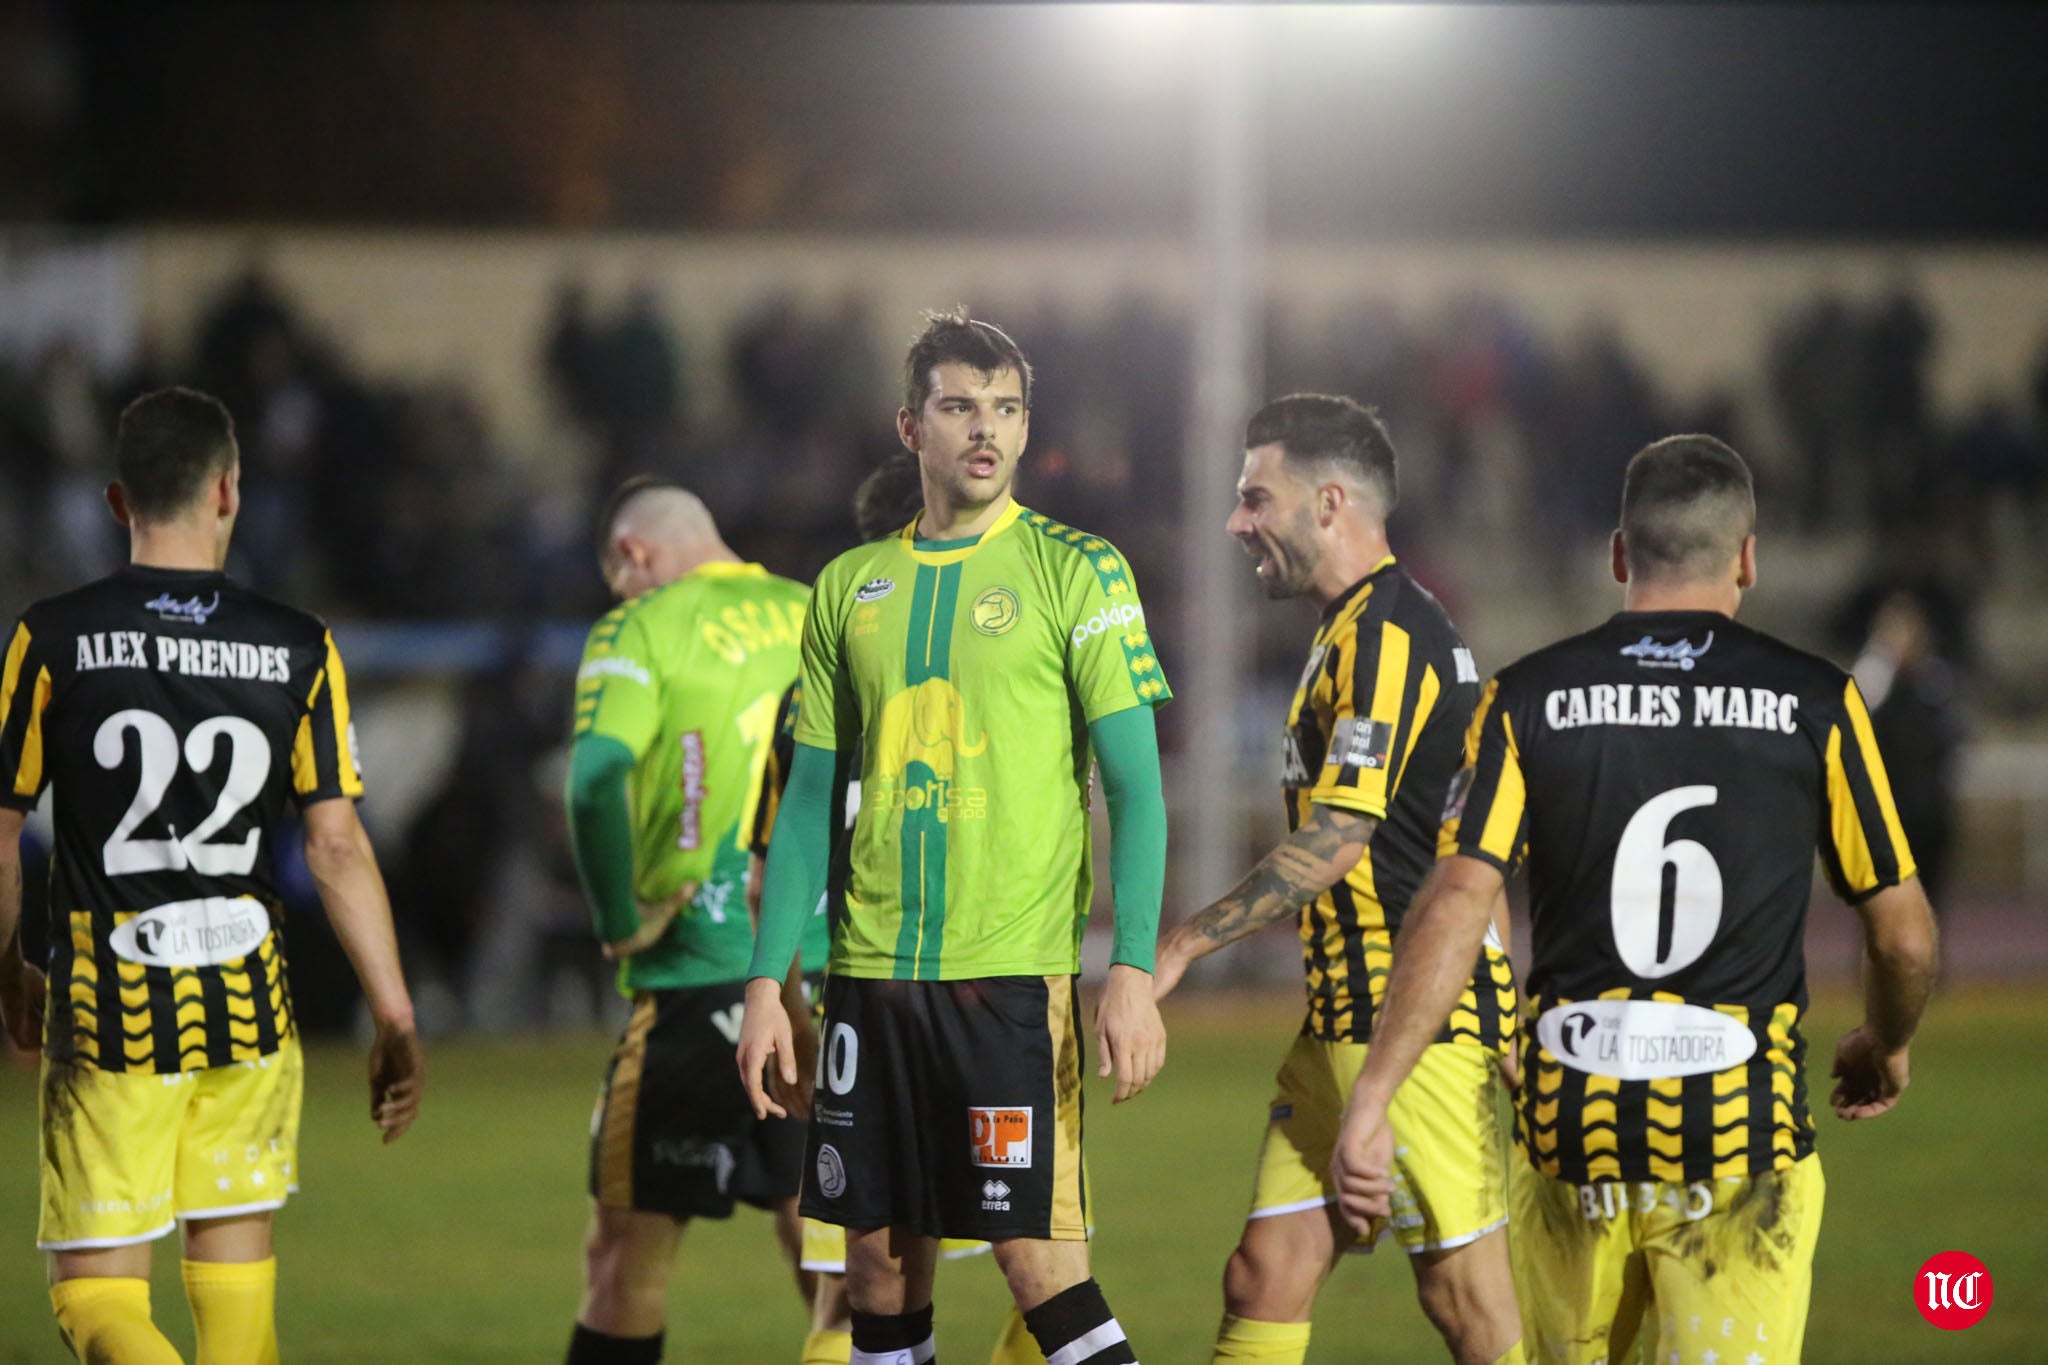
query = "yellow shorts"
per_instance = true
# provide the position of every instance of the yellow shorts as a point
(1718, 1270)
(126, 1154)
(1450, 1155)
(825, 1247)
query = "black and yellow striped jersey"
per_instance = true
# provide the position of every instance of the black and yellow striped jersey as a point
(1666, 779)
(171, 714)
(1377, 726)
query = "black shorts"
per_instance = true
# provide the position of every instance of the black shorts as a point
(951, 1108)
(673, 1132)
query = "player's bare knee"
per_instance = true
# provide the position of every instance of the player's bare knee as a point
(1272, 1278)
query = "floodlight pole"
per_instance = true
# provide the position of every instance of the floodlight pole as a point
(1228, 248)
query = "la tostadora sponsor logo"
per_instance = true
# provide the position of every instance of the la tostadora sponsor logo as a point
(1119, 617)
(197, 933)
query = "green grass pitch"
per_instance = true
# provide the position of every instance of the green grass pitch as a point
(461, 1243)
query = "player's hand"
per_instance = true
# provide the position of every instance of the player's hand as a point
(804, 1043)
(398, 1072)
(765, 1039)
(655, 919)
(23, 992)
(1509, 1063)
(1871, 1079)
(1363, 1168)
(1130, 1038)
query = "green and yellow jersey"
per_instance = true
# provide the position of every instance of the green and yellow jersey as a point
(688, 677)
(969, 672)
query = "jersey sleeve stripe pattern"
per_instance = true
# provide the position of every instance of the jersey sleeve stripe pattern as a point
(23, 733)
(1868, 843)
(1148, 684)
(1502, 830)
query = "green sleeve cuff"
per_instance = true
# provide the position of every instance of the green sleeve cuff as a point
(1127, 751)
(601, 833)
(799, 857)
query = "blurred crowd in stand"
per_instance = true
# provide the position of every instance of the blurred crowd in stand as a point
(372, 496)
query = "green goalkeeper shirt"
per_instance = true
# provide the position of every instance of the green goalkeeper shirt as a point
(687, 679)
(972, 671)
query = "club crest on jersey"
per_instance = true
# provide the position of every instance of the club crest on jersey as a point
(995, 611)
(190, 609)
(1679, 654)
(874, 590)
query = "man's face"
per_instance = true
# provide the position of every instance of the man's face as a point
(969, 432)
(1273, 521)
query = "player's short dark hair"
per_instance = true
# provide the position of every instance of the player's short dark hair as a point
(890, 497)
(628, 489)
(956, 337)
(1687, 504)
(1322, 428)
(170, 442)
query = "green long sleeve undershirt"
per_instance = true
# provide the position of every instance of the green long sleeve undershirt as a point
(601, 833)
(1127, 750)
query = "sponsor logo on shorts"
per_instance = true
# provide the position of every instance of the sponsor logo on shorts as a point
(695, 1154)
(1119, 617)
(1953, 1290)
(1000, 1137)
(1643, 1040)
(995, 611)
(831, 1172)
(197, 933)
(1608, 1199)
(995, 1196)
(874, 590)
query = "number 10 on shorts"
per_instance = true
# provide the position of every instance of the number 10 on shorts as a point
(1000, 1137)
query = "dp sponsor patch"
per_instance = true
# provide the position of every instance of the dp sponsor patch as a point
(1000, 1137)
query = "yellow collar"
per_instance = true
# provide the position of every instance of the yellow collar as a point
(908, 538)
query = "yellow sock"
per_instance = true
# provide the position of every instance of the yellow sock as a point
(105, 1321)
(1016, 1346)
(1515, 1356)
(234, 1308)
(828, 1348)
(1246, 1339)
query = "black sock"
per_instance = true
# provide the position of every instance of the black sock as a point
(1078, 1321)
(886, 1334)
(588, 1346)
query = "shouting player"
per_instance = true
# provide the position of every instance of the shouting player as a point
(1665, 778)
(1372, 741)
(172, 713)
(675, 713)
(979, 658)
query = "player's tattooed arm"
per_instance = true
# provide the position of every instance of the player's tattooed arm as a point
(1301, 867)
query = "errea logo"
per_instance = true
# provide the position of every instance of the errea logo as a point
(995, 1196)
